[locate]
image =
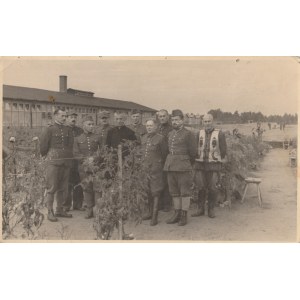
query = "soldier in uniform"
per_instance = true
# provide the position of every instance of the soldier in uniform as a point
(182, 153)
(56, 144)
(86, 145)
(154, 152)
(164, 128)
(74, 195)
(119, 134)
(211, 156)
(164, 123)
(104, 125)
(136, 125)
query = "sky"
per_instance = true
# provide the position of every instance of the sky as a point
(195, 85)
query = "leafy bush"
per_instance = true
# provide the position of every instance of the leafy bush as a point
(121, 183)
(22, 200)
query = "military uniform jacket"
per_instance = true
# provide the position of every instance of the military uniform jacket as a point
(102, 131)
(87, 144)
(56, 144)
(139, 130)
(164, 129)
(154, 151)
(118, 135)
(77, 131)
(182, 150)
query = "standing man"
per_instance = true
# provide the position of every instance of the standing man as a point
(136, 125)
(164, 128)
(154, 152)
(211, 156)
(74, 196)
(104, 127)
(56, 145)
(119, 134)
(165, 125)
(182, 153)
(86, 145)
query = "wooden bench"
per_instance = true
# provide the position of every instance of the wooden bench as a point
(256, 181)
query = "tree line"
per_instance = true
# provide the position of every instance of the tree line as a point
(246, 117)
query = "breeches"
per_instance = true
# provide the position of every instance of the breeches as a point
(206, 180)
(180, 183)
(57, 178)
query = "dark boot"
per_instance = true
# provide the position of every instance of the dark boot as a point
(154, 212)
(89, 213)
(175, 218)
(211, 204)
(51, 216)
(200, 205)
(148, 214)
(183, 218)
(63, 214)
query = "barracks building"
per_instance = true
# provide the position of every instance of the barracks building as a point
(30, 107)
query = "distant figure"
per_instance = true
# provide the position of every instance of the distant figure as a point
(235, 132)
(270, 126)
(283, 126)
(259, 131)
(280, 125)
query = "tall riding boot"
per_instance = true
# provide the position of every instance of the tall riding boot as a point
(89, 199)
(50, 200)
(149, 210)
(211, 204)
(89, 213)
(183, 218)
(154, 212)
(200, 204)
(60, 211)
(51, 217)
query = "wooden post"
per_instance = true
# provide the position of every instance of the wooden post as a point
(120, 167)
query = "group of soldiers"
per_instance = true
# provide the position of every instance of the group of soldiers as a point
(176, 158)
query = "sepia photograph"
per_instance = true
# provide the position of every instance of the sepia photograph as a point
(184, 149)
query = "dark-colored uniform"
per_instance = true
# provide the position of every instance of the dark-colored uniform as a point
(74, 194)
(182, 153)
(154, 150)
(119, 135)
(102, 131)
(166, 199)
(139, 130)
(164, 129)
(56, 144)
(86, 145)
(211, 153)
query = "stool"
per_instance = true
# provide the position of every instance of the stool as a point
(256, 181)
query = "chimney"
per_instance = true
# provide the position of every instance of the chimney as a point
(63, 83)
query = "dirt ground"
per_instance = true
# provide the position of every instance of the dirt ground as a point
(274, 222)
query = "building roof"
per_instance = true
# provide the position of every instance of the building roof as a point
(32, 94)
